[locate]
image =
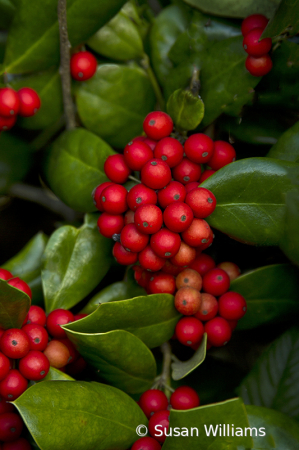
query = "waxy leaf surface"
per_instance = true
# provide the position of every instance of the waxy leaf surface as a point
(186, 109)
(14, 306)
(287, 146)
(286, 19)
(181, 369)
(231, 8)
(289, 243)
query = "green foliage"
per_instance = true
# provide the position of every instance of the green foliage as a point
(274, 380)
(186, 109)
(115, 114)
(290, 239)
(80, 415)
(82, 153)
(7, 10)
(182, 369)
(251, 199)
(271, 293)
(73, 263)
(286, 19)
(31, 48)
(231, 8)
(287, 147)
(14, 306)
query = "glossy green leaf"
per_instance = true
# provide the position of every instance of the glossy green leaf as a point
(203, 418)
(15, 160)
(7, 10)
(287, 147)
(121, 290)
(74, 262)
(14, 306)
(289, 243)
(182, 369)
(79, 415)
(31, 48)
(119, 39)
(186, 109)
(251, 199)
(281, 432)
(120, 358)
(48, 86)
(82, 153)
(55, 374)
(152, 318)
(271, 293)
(231, 8)
(115, 114)
(274, 380)
(286, 19)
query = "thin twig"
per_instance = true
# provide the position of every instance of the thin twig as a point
(145, 63)
(64, 69)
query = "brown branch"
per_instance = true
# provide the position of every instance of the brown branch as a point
(64, 69)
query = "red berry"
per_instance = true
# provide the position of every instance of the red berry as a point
(184, 256)
(14, 343)
(13, 385)
(205, 175)
(157, 125)
(198, 233)
(189, 331)
(158, 425)
(11, 426)
(110, 224)
(169, 150)
(80, 316)
(186, 171)
(4, 366)
(122, 256)
(38, 336)
(165, 243)
(190, 186)
(162, 283)
(6, 123)
(171, 268)
(253, 21)
(148, 219)
(232, 270)
(146, 443)
(132, 239)
(207, 244)
(152, 401)
(178, 216)
(141, 195)
(21, 285)
(173, 192)
(116, 169)
(233, 324)
(199, 148)
(232, 306)
(224, 154)
(96, 194)
(5, 274)
(189, 277)
(57, 318)
(216, 282)
(144, 278)
(83, 66)
(187, 300)
(9, 102)
(114, 199)
(34, 366)
(74, 354)
(208, 308)
(150, 142)
(136, 154)
(6, 406)
(36, 315)
(129, 217)
(76, 367)
(29, 102)
(155, 174)
(149, 260)
(57, 353)
(184, 397)
(202, 264)
(258, 67)
(218, 331)
(18, 444)
(201, 201)
(254, 46)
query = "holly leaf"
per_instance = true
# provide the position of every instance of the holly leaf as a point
(181, 369)
(274, 380)
(14, 306)
(115, 114)
(205, 419)
(230, 8)
(250, 197)
(7, 10)
(55, 374)
(152, 318)
(82, 153)
(74, 262)
(32, 48)
(120, 358)
(287, 146)
(289, 243)
(82, 415)
(186, 109)
(286, 19)
(271, 293)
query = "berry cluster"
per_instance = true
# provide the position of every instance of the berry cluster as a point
(258, 61)
(154, 404)
(83, 65)
(160, 221)
(25, 102)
